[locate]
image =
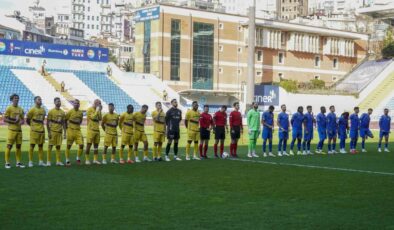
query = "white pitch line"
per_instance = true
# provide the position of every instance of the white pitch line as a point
(315, 167)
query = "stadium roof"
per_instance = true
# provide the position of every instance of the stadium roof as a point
(384, 11)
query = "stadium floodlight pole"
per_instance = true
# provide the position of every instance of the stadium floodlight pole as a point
(251, 55)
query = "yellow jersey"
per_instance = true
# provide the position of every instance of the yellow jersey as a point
(56, 117)
(111, 123)
(74, 119)
(13, 113)
(159, 121)
(93, 118)
(126, 122)
(193, 118)
(36, 116)
(139, 121)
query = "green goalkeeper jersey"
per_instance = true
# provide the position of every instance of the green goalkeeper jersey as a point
(253, 120)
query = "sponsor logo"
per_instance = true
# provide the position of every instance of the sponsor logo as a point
(2, 46)
(65, 52)
(77, 53)
(39, 51)
(267, 95)
(90, 54)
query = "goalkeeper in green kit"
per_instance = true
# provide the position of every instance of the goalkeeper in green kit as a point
(253, 121)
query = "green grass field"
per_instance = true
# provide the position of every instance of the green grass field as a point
(301, 192)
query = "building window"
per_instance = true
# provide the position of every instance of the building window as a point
(280, 75)
(335, 63)
(281, 58)
(146, 49)
(259, 74)
(259, 55)
(334, 78)
(317, 77)
(175, 49)
(221, 26)
(220, 70)
(239, 50)
(240, 28)
(239, 71)
(317, 61)
(221, 48)
(203, 50)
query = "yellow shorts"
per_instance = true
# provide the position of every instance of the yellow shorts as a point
(56, 139)
(74, 136)
(93, 137)
(159, 137)
(193, 136)
(37, 138)
(14, 137)
(127, 139)
(110, 140)
(139, 136)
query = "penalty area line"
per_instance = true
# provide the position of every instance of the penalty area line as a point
(314, 167)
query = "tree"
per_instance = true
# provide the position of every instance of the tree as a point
(389, 39)
(113, 58)
(128, 65)
(388, 45)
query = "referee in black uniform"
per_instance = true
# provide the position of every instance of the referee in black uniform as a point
(173, 119)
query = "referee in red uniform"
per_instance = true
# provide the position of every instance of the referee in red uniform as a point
(236, 128)
(220, 128)
(206, 124)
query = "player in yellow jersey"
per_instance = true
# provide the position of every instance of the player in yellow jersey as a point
(159, 131)
(126, 125)
(139, 133)
(56, 131)
(35, 119)
(93, 116)
(193, 131)
(14, 116)
(110, 124)
(74, 120)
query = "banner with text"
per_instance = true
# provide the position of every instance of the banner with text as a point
(266, 94)
(147, 14)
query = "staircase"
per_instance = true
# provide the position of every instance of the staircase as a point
(378, 94)
(57, 86)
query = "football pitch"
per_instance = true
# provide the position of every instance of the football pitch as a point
(299, 192)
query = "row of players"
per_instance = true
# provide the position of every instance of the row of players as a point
(303, 124)
(199, 125)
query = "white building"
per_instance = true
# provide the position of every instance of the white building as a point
(264, 8)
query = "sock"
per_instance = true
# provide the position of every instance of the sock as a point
(18, 155)
(292, 144)
(7, 155)
(329, 147)
(280, 145)
(135, 153)
(270, 146)
(176, 149)
(380, 144)
(79, 153)
(104, 156)
(334, 146)
(284, 145)
(67, 153)
(121, 153)
(112, 157)
(40, 154)
(129, 153)
(49, 153)
(235, 149)
(31, 154)
(264, 145)
(299, 144)
(322, 144)
(95, 157)
(205, 150)
(58, 157)
(195, 149)
(145, 153)
(221, 149)
(154, 151)
(304, 145)
(200, 149)
(188, 149)
(363, 144)
(308, 145)
(168, 147)
(250, 146)
(159, 151)
(215, 149)
(386, 145)
(232, 149)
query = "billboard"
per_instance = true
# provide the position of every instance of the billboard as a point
(147, 14)
(49, 50)
(266, 94)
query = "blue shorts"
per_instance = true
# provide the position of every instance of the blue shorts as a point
(365, 133)
(322, 134)
(283, 135)
(267, 133)
(308, 136)
(297, 133)
(342, 135)
(384, 134)
(332, 133)
(353, 134)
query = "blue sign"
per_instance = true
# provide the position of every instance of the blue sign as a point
(48, 50)
(266, 94)
(147, 14)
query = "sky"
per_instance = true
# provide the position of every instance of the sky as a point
(8, 6)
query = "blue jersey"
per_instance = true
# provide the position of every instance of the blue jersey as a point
(332, 122)
(297, 120)
(385, 123)
(308, 121)
(364, 121)
(283, 120)
(268, 118)
(321, 121)
(354, 122)
(342, 124)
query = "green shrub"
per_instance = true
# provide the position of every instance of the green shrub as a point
(388, 51)
(289, 85)
(317, 84)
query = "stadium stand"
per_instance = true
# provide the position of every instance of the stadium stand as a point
(378, 94)
(11, 84)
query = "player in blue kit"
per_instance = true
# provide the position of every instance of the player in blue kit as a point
(365, 132)
(343, 128)
(296, 122)
(283, 133)
(321, 121)
(332, 130)
(309, 122)
(354, 129)
(384, 126)
(267, 120)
